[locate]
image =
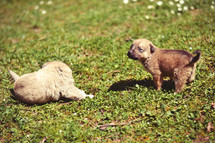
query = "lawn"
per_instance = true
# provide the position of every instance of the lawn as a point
(93, 38)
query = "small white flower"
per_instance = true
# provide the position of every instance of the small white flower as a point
(23, 36)
(125, 1)
(49, 2)
(74, 113)
(192, 7)
(43, 11)
(176, 0)
(60, 131)
(147, 17)
(179, 9)
(159, 3)
(41, 2)
(178, 5)
(213, 2)
(185, 105)
(151, 0)
(172, 12)
(212, 7)
(4, 100)
(27, 136)
(147, 122)
(171, 3)
(85, 119)
(134, 0)
(185, 8)
(162, 36)
(181, 1)
(150, 7)
(36, 7)
(191, 48)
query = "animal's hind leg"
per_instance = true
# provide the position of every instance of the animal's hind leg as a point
(181, 77)
(193, 74)
(179, 84)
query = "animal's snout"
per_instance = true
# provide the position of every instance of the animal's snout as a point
(129, 53)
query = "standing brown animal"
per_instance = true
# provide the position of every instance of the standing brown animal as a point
(51, 83)
(179, 64)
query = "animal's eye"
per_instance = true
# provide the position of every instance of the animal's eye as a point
(141, 50)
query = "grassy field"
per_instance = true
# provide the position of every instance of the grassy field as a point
(93, 38)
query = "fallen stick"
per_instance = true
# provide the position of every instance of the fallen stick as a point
(102, 127)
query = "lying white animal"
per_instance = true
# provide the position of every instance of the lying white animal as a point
(51, 83)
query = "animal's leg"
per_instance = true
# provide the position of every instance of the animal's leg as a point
(179, 85)
(181, 77)
(158, 81)
(75, 94)
(193, 73)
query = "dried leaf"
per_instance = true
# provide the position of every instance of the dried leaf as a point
(44, 139)
(103, 127)
(210, 127)
(213, 105)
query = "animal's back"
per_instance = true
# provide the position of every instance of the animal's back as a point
(34, 88)
(173, 59)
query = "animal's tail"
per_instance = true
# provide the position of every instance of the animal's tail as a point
(13, 75)
(196, 58)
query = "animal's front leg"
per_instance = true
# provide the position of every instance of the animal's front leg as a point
(158, 81)
(76, 94)
(84, 94)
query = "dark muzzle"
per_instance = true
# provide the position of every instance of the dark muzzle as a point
(131, 56)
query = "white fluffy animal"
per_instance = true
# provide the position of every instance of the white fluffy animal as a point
(51, 83)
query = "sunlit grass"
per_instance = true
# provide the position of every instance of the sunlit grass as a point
(93, 38)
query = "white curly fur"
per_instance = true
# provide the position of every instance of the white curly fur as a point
(50, 83)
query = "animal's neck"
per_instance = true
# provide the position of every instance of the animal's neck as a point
(146, 63)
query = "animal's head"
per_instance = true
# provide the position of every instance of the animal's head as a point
(58, 66)
(141, 49)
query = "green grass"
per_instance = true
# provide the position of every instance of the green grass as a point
(93, 38)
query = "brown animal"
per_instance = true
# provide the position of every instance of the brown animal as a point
(51, 83)
(178, 64)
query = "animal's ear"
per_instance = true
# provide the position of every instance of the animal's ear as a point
(152, 48)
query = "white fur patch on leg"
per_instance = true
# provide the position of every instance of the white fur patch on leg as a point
(91, 96)
(83, 92)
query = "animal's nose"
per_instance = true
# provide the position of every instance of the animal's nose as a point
(129, 53)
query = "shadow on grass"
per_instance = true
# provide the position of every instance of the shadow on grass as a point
(13, 93)
(130, 85)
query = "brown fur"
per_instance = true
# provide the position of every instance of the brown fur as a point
(51, 83)
(178, 64)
